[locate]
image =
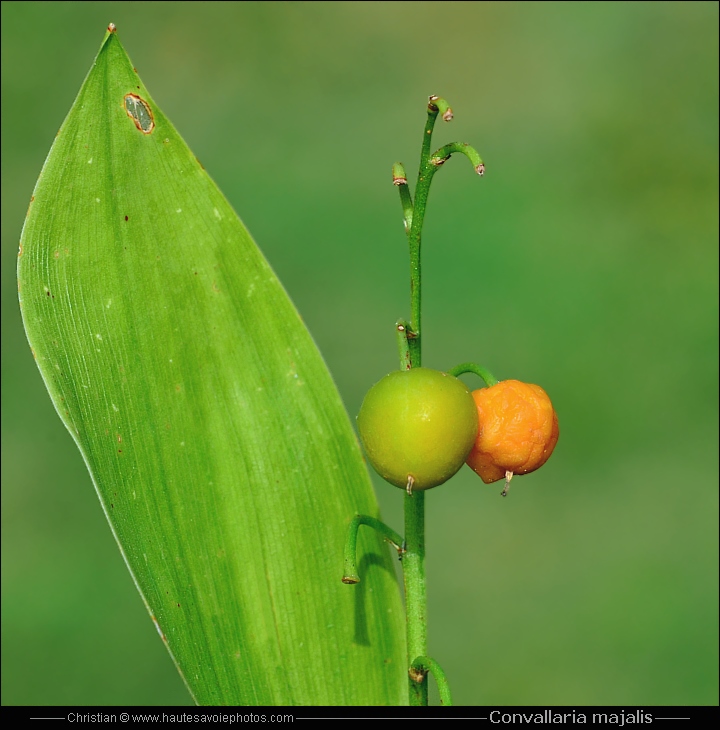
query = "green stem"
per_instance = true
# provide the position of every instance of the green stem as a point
(411, 356)
(410, 350)
(471, 367)
(443, 154)
(350, 574)
(401, 327)
(422, 189)
(424, 664)
(400, 180)
(415, 596)
(414, 558)
(441, 105)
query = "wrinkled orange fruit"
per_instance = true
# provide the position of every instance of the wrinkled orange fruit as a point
(518, 430)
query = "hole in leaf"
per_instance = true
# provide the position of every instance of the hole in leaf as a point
(139, 111)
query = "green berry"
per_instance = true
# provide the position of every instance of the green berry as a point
(418, 423)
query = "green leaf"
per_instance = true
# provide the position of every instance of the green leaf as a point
(215, 437)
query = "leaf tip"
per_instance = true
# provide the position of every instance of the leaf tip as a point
(111, 27)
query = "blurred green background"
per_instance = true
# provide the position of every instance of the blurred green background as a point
(585, 261)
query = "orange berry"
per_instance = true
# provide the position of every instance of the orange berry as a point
(518, 430)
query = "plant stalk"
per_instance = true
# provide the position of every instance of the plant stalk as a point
(350, 574)
(425, 175)
(414, 558)
(415, 595)
(410, 350)
(479, 370)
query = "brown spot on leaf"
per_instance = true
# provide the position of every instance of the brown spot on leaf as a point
(139, 111)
